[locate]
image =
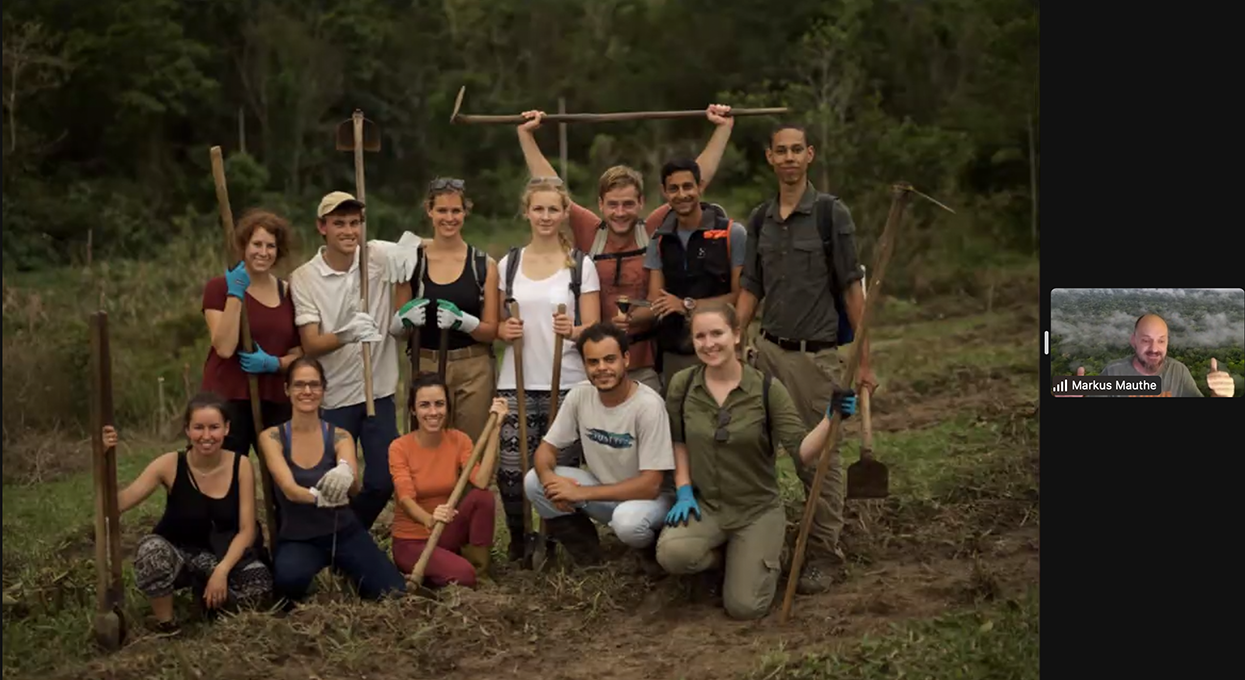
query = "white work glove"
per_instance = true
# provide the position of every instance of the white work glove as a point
(451, 317)
(334, 486)
(323, 501)
(361, 328)
(400, 259)
(412, 315)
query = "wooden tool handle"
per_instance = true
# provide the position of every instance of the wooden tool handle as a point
(521, 401)
(557, 371)
(417, 574)
(252, 381)
(103, 582)
(607, 117)
(443, 354)
(866, 447)
(364, 270)
(900, 197)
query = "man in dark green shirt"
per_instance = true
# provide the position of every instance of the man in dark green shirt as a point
(785, 264)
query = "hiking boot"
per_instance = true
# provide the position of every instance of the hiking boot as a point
(648, 564)
(578, 534)
(163, 628)
(480, 557)
(515, 551)
(817, 574)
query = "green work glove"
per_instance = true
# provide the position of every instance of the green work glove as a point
(451, 317)
(412, 315)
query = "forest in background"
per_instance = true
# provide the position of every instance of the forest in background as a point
(1091, 327)
(110, 108)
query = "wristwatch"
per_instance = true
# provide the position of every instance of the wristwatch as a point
(689, 304)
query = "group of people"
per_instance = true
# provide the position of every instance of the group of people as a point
(667, 419)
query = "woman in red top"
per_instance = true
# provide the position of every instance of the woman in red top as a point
(425, 465)
(263, 238)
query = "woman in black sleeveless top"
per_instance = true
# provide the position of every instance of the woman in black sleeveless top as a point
(314, 468)
(465, 303)
(208, 538)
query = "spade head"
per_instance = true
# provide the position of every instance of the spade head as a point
(345, 135)
(867, 478)
(109, 630)
(624, 304)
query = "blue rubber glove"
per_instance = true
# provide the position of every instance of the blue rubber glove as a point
(237, 281)
(259, 361)
(684, 504)
(844, 401)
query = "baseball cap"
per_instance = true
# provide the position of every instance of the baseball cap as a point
(336, 200)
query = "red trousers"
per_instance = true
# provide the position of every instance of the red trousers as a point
(473, 525)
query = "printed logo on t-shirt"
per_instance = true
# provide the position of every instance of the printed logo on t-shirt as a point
(624, 440)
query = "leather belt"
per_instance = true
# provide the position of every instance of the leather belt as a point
(476, 350)
(798, 345)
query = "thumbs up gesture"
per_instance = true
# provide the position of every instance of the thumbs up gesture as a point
(1219, 382)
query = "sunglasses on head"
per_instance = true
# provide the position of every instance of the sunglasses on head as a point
(442, 183)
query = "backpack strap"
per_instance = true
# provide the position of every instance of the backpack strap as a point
(823, 212)
(417, 278)
(577, 274)
(479, 268)
(512, 266)
(598, 241)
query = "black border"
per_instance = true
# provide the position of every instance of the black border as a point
(1145, 494)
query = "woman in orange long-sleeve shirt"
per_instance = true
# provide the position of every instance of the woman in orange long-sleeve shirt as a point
(425, 465)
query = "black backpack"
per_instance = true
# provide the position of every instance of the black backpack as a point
(479, 269)
(512, 266)
(823, 213)
(766, 379)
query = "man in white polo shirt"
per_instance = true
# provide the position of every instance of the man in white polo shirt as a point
(332, 326)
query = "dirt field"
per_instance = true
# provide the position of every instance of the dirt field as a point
(942, 577)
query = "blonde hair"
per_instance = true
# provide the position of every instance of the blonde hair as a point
(538, 185)
(618, 177)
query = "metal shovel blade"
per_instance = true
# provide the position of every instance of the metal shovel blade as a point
(345, 135)
(867, 478)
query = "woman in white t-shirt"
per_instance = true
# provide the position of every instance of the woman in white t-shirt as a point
(541, 279)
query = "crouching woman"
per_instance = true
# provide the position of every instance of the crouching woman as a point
(426, 465)
(314, 468)
(208, 539)
(725, 437)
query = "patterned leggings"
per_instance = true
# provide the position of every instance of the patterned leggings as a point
(161, 568)
(509, 467)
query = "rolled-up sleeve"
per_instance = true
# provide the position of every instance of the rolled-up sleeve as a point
(305, 310)
(678, 388)
(789, 427)
(846, 263)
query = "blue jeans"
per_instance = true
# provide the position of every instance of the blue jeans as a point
(357, 555)
(374, 435)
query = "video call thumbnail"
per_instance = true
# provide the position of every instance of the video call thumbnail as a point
(1191, 340)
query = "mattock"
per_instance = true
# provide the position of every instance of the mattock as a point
(358, 135)
(109, 621)
(899, 201)
(457, 117)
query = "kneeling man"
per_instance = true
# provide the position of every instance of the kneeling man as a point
(625, 432)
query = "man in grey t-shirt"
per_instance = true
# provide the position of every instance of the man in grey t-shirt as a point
(1149, 342)
(625, 432)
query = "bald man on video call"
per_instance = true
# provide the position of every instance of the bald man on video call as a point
(1149, 341)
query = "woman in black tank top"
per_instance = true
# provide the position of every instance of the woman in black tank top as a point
(208, 538)
(314, 468)
(465, 304)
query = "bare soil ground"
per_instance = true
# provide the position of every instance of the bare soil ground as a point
(956, 419)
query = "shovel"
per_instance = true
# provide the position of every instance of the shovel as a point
(109, 621)
(417, 574)
(867, 478)
(531, 540)
(358, 135)
(553, 413)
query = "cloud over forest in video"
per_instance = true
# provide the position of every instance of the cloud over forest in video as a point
(1196, 317)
